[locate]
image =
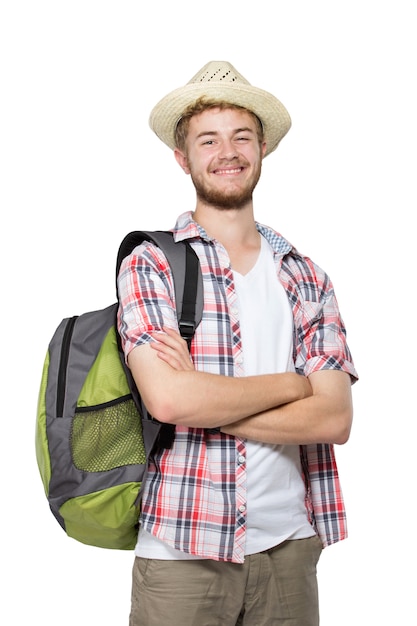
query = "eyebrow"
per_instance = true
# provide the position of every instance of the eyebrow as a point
(211, 133)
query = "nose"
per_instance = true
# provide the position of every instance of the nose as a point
(227, 150)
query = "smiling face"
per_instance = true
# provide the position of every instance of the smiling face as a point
(223, 154)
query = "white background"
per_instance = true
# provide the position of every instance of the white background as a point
(80, 168)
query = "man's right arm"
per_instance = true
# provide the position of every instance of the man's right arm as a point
(203, 400)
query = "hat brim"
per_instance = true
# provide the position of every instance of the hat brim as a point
(274, 116)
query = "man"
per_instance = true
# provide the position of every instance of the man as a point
(236, 512)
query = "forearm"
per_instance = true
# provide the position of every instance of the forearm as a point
(324, 417)
(199, 399)
(209, 400)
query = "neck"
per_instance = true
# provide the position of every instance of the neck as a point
(231, 227)
(236, 230)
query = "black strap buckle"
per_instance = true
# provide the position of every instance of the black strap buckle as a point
(187, 330)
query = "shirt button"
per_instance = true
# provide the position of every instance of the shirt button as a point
(239, 360)
(242, 508)
(241, 458)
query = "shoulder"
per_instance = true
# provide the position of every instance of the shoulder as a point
(145, 255)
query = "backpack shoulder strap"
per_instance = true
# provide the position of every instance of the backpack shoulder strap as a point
(188, 286)
(185, 266)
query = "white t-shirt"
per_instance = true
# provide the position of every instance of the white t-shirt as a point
(275, 489)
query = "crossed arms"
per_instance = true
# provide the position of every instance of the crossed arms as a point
(284, 408)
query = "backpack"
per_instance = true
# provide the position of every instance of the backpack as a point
(93, 434)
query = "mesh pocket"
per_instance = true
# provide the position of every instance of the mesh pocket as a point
(107, 436)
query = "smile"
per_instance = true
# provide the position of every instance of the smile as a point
(229, 171)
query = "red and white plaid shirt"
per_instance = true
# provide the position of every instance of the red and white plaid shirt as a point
(195, 492)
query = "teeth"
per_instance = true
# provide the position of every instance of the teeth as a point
(234, 171)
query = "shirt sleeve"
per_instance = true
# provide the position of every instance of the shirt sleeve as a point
(321, 340)
(146, 296)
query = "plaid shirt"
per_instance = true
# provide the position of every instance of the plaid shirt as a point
(195, 493)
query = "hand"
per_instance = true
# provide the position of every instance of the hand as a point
(172, 349)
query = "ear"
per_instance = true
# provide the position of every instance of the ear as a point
(181, 160)
(263, 148)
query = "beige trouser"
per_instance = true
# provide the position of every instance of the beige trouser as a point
(278, 586)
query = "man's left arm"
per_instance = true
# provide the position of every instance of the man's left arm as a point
(324, 417)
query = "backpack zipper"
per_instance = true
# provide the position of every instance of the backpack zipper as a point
(63, 363)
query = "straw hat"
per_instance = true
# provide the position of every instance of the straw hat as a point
(219, 80)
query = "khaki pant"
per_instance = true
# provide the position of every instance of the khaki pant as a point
(278, 586)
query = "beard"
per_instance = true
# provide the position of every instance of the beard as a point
(226, 199)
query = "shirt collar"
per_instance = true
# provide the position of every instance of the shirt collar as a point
(187, 228)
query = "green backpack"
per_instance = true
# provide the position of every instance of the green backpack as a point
(93, 434)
